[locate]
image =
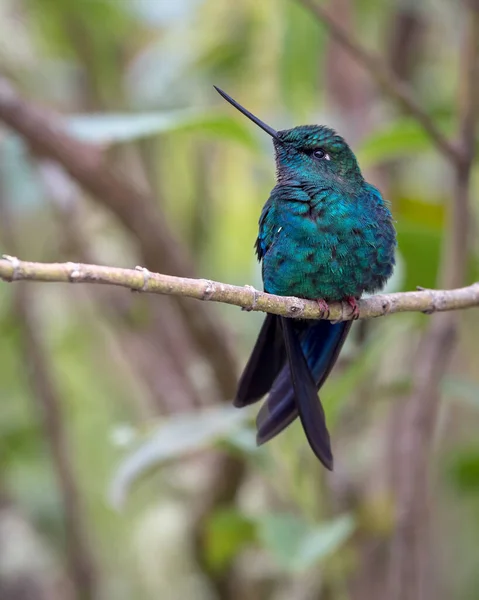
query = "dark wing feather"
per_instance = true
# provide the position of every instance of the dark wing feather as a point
(279, 410)
(321, 343)
(264, 364)
(310, 410)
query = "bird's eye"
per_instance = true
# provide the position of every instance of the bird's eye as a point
(320, 154)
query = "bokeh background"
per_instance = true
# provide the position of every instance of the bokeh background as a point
(124, 472)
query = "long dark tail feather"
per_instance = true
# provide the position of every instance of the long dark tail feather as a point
(321, 343)
(279, 410)
(264, 364)
(309, 407)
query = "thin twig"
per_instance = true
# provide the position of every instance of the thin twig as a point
(410, 543)
(248, 298)
(391, 84)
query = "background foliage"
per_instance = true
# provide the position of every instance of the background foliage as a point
(126, 474)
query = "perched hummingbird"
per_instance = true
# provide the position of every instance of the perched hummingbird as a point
(324, 234)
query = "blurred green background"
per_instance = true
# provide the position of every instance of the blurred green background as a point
(124, 473)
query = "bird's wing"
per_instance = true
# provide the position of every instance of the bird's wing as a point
(264, 364)
(267, 229)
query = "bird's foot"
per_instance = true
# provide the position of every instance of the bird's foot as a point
(323, 307)
(353, 303)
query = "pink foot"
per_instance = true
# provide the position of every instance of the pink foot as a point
(353, 303)
(323, 307)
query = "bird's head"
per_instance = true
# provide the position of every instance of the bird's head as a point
(309, 154)
(315, 154)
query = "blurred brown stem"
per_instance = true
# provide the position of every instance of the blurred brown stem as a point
(409, 546)
(133, 207)
(387, 79)
(79, 555)
(30, 576)
(47, 396)
(158, 348)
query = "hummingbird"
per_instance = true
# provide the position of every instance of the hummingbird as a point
(325, 234)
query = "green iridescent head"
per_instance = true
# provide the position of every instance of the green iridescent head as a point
(315, 152)
(309, 154)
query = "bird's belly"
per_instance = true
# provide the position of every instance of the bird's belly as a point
(332, 266)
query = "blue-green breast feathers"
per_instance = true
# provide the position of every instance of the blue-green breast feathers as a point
(324, 231)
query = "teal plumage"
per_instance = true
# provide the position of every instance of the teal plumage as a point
(324, 234)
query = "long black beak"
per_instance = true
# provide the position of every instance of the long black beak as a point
(272, 132)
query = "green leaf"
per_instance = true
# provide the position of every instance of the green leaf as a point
(463, 470)
(399, 139)
(227, 532)
(303, 49)
(178, 437)
(297, 545)
(111, 128)
(420, 247)
(20, 181)
(161, 13)
(244, 441)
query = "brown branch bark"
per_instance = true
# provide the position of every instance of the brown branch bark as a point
(135, 209)
(386, 78)
(141, 280)
(410, 544)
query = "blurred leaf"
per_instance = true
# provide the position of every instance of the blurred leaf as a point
(228, 54)
(116, 128)
(399, 139)
(227, 531)
(463, 469)
(19, 440)
(162, 13)
(431, 213)
(297, 545)
(243, 440)
(420, 248)
(178, 437)
(20, 182)
(303, 43)
(464, 389)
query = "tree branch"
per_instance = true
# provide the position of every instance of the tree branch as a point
(386, 78)
(248, 298)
